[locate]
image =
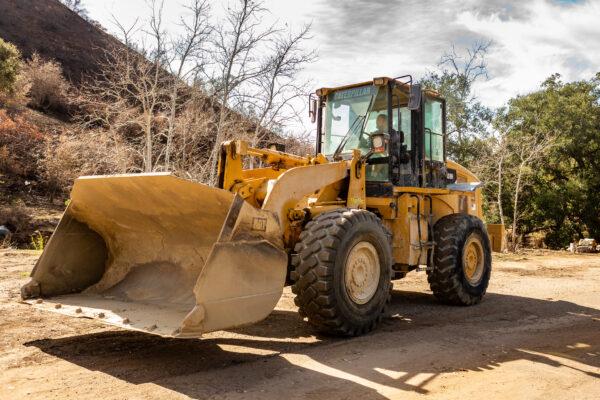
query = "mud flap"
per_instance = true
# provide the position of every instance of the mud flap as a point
(160, 254)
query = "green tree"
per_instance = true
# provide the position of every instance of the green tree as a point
(561, 191)
(10, 65)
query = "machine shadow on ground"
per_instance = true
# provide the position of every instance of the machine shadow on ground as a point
(415, 319)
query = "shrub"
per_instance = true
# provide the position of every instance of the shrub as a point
(14, 85)
(49, 89)
(60, 165)
(90, 152)
(10, 64)
(21, 146)
(20, 95)
(18, 221)
(37, 241)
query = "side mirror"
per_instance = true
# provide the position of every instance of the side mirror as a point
(414, 102)
(312, 108)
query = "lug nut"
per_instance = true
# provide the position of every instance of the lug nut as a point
(58, 305)
(101, 315)
(39, 301)
(78, 310)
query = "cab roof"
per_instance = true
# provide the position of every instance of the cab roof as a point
(381, 81)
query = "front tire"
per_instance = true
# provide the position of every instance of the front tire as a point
(342, 272)
(462, 260)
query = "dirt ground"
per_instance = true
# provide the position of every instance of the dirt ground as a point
(536, 335)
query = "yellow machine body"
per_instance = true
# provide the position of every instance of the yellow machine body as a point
(168, 256)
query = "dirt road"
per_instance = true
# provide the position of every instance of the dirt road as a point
(536, 335)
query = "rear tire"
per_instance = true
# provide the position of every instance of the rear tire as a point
(342, 272)
(462, 260)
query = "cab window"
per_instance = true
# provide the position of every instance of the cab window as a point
(434, 133)
(405, 124)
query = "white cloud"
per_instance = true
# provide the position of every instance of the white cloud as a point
(360, 39)
(553, 38)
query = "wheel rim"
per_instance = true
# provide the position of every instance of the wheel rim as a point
(361, 273)
(473, 260)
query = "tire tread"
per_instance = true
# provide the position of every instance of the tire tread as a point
(313, 266)
(446, 279)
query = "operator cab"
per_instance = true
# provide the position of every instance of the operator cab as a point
(398, 127)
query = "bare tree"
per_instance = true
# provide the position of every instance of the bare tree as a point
(501, 154)
(188, 48)
(175, 61)
(236, 44)
(508, 166)
(126, 99)
(144, 84)
(527, 151)
(276, 89)
(490, 166)
(160, 96)
(468, 67)
(468, 119)
(148, 86)
(192, 138)
(126, 33)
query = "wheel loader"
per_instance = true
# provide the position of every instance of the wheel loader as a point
(379, 199)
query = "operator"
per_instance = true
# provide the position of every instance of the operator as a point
(380, 123)
(379, 172)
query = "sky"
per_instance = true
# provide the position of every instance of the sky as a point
(357, 40)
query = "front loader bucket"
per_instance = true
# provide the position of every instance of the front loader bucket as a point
(160, 254)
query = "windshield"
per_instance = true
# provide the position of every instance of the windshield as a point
(351, 116)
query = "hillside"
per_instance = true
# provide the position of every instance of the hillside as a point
(43, 149)
(53, 31)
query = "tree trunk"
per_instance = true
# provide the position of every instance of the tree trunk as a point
(171, 130)
(214, 155)
(148, 135)
(499, 199)
(515, 207)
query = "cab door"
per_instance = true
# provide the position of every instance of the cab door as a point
(434, 143)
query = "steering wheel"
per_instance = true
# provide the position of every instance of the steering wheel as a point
(362, 142)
